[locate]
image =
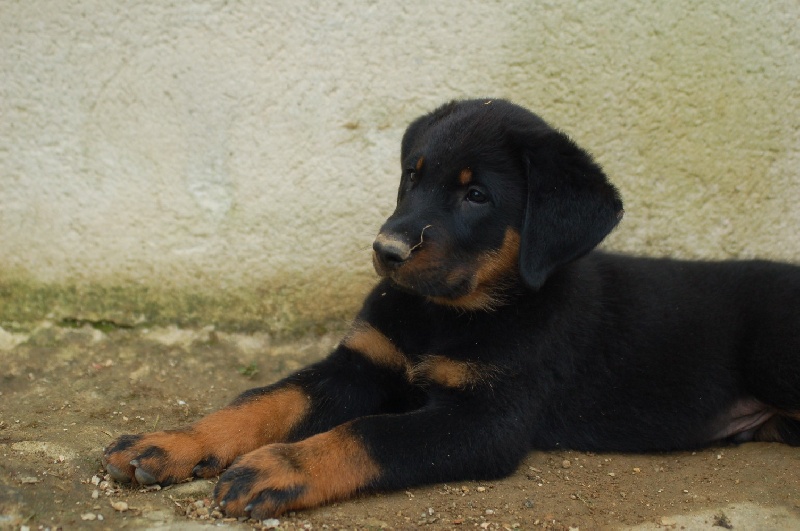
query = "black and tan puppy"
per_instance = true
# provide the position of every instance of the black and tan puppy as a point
(496, 330)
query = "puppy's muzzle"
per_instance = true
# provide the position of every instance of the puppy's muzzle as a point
(390, 251)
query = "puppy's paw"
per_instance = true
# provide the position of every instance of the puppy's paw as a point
(281, 477)
(162, 458)
(265, 482)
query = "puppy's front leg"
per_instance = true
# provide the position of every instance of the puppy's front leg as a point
(347, 384)
(206, 447)
(445, 441)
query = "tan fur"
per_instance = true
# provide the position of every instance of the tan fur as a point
(323, 468)
(452, 373)
(375, 346)
(492, 269)
(224, 434)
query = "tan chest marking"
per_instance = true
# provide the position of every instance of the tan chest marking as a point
(451, 373)
(375, 346)
(366, 340)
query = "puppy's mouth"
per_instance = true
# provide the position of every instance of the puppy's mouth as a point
(481, 282)
(428, 280)
(426, 268)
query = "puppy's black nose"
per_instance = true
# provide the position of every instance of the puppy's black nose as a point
(391, 251)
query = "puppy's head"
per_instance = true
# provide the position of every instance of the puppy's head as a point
(490, 197)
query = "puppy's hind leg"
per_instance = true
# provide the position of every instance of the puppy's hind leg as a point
(752, 420)
(771, 368)
(783, 428)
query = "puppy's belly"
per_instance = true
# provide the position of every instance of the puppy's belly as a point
(742, 419)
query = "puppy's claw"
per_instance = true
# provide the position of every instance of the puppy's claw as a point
(117, 475)
(144, 478)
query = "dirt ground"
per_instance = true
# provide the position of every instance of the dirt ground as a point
(67, 389)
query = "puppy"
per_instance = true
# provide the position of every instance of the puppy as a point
(495, 330)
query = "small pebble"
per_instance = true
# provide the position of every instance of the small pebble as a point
(481, 489)
(95, 494)
(566, 463)
(271, 523)
(489, 511)
(120, 506)
(88, 516)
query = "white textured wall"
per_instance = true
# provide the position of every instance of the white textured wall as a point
(251, 147)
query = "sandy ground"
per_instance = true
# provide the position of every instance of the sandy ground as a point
(66, 392)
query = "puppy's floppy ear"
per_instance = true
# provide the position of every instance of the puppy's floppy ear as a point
(570, 208)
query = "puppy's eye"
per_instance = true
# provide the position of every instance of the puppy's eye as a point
(412, 176)
(476, 196)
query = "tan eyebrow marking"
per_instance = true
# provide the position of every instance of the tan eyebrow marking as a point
(420, 162)
(465, 176)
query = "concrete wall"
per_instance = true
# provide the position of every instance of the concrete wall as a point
(231, 161)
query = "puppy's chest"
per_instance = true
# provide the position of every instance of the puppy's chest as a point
(422, 362)
(450, 359)
(448, 372)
